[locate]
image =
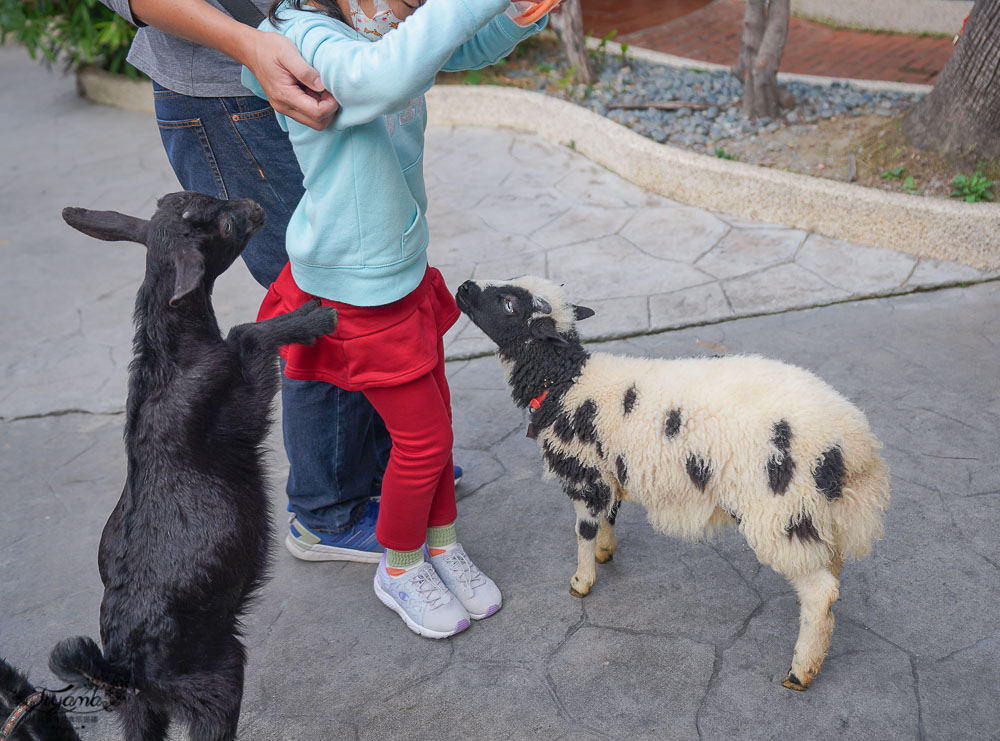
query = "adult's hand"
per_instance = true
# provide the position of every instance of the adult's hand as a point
(292, 86)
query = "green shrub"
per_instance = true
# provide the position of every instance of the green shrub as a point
(75, 32)
(973, 189)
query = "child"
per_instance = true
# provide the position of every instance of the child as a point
(358, 240)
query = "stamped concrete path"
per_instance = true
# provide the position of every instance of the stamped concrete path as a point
(677, 640)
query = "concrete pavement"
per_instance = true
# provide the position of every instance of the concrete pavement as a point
(676, 640)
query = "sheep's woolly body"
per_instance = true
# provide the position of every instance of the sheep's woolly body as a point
(699, 443)
(694, 438)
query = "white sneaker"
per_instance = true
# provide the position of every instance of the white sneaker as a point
(424, 603)
(476, 591)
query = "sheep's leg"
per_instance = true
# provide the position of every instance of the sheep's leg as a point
(587, 527)
(606, 542)
(836, 564)
(817, 593)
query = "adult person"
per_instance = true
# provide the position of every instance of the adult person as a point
(225, 142)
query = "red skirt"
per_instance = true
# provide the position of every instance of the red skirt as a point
(372, 346)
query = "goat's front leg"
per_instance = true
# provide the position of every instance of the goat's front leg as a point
(606, 542)
(258, 342)
(306, 324)
(587, 527)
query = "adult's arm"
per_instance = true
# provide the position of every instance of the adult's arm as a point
(293, 87)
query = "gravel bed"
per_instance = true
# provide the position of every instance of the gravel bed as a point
(635, 81)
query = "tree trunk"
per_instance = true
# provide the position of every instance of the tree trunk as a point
(765, 28)
(962, 112)
(568, 24)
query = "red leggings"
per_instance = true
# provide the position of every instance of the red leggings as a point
(418, 489)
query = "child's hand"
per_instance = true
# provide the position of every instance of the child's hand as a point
(526, 13)
(292, 86)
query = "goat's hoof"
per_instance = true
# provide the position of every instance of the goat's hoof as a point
(575, 593)
(604, 556)
(794, 683)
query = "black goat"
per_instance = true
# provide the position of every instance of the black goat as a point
(187, 545)
(29, 714)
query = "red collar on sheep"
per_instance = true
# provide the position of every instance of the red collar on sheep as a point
(537, 401)
(534, 404)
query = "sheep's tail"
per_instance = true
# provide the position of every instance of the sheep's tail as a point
(80, 662)
(858, 513)
(18, 704)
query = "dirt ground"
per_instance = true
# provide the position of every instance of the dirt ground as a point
(881, 156)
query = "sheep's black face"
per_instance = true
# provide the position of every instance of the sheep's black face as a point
(518, 311)
(502, 311)
(219, 228)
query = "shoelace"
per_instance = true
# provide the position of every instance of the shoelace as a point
(467, 573)
(429, 585)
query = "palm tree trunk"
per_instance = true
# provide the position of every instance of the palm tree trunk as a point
(962, 112)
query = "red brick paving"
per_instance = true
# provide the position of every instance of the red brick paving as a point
(711, 33)
(628, 16)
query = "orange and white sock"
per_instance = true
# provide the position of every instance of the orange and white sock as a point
(398, 563)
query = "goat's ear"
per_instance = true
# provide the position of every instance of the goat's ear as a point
(582, 312)
(201, 210)
(190, 267)
(110, 226)
(545, 329)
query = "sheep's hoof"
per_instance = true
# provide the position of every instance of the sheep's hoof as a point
(578, 587)
(794, 683)
(603, 556)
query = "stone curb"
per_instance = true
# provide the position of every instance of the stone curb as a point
(115, 90)
(895, 16)
(926, 227)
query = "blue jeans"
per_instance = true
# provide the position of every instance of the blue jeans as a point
(336, 444)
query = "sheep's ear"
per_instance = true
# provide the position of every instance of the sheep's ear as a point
(582, 312)
(190, 268)
(545, 329)
(110, 226)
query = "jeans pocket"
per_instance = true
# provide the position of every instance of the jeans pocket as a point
(266, 148)
(184, 139)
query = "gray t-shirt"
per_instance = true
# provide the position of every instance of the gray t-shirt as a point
(183, 66)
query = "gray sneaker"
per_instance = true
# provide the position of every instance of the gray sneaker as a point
(476, 591)
(422, 600)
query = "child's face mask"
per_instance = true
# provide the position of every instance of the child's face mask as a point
(375, 27)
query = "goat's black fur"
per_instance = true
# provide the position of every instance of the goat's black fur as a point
(186, 547)
(44, 721)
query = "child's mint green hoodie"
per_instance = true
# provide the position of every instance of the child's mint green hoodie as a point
(359, 234)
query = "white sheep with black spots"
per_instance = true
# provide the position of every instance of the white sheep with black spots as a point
(699, 442)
